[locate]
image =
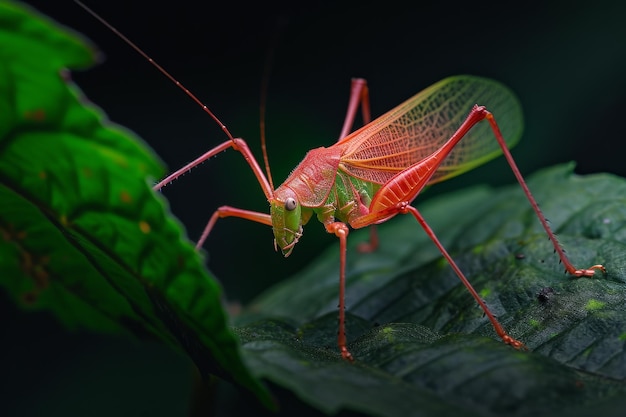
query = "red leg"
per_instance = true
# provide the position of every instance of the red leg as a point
(239, 145)
(569, 267)
(359, 94)
(227, 211)
(341, 231)
(372, 245)
(404, 208)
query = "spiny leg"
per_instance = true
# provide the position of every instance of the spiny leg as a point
(404, 208)
(237, 144)
(569, 267)
(226, 211)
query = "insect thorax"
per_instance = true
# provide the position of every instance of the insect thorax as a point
(349, 197)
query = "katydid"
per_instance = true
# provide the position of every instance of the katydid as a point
(375, 172)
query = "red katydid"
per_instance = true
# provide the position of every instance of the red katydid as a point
(374, 173)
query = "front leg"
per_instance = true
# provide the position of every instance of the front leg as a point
(228, 211)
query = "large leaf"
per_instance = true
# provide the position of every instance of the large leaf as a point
(422, 345)
(83, 235)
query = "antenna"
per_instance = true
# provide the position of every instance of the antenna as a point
(160, 68)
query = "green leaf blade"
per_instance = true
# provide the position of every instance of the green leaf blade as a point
(83, 234)
(409, 316)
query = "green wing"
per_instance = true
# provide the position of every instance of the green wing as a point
(422, 124)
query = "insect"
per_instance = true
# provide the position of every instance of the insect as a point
(374, 173)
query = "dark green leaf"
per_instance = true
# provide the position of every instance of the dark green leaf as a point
(413, 325)
(82, 233)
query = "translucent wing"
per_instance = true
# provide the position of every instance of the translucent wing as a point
(420, 125)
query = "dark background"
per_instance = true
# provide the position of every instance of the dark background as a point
(566, 63)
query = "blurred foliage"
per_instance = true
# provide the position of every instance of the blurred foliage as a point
(84, 236)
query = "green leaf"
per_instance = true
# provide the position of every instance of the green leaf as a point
(423, 347)
(82, 233)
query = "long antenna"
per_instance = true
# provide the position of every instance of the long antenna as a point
(264, 89)
(160, 68)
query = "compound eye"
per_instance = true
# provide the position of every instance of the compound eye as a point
(290, 204)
